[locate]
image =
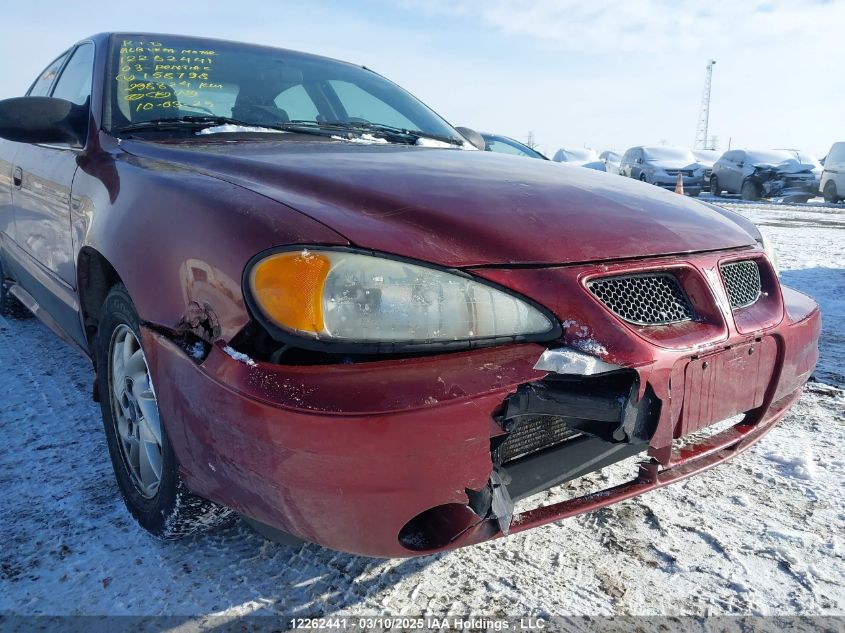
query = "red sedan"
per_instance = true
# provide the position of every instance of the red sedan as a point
(309, 301)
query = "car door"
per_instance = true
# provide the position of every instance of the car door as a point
(7, 215)
(8, 149)
(41, 196)
(835, 166)
(637, 161)
(730, 176)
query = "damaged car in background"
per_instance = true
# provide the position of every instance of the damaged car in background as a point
(787, 174)
(310, 302)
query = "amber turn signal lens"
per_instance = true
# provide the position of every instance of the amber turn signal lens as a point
(289, 289)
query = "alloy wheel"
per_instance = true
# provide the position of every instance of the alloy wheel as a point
(135, 411)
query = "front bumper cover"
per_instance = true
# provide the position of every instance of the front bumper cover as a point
(388, 458)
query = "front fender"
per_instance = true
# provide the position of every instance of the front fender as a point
(176, 237)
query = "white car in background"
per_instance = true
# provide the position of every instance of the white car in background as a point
(706, 158)
(832, 183)
(579, 157)
(611, 161)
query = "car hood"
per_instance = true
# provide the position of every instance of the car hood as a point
(458, 208)
(790, 166)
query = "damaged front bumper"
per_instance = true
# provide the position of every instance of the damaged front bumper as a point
(776, 184)
(410, 456)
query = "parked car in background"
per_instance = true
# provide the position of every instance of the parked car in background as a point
(706, 158)
(506, 145)
(806, 158)
(832, 182)
(759, 174)
(308, 301)
(661, 166)
(578, 156)
(611, 161)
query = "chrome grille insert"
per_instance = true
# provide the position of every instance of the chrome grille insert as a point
(742, 281)
(644, 299)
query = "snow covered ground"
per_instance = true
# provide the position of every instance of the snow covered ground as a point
(762, 534)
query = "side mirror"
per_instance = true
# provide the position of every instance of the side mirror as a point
(42, 120)
(741, 163)
(473, 137)
(639, 161)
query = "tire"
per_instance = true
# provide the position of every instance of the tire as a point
(694, 194)
(830, 193)
(750, 191)
(10, 307)
(159, 501)
(715, 189)
(643, 178)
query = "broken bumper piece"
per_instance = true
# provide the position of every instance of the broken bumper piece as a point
(564, 427)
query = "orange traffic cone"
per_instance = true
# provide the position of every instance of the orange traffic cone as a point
(679, 185)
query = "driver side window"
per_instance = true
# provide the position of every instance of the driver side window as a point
(41, 86)
(503, 147)
(74, 85)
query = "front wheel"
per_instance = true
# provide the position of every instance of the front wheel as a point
(750, 191)
(643, 178)
(145, 466)
(715, 188)
(830, 193)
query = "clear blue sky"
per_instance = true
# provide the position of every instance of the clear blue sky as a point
(601, 74)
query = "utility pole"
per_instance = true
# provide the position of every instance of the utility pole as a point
(701, 139)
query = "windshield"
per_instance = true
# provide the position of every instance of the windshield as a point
(805, 158)
(707, 155)
(768, 157)
(164, 77)
(669, 153)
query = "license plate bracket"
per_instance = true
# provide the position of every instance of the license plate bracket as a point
(726, 383)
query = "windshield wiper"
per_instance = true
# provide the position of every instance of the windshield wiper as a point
(206, 121)
(186, 121)
(381, 129)
(300, 126)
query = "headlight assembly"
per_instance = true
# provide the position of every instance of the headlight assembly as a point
(769, 249)
(340, 297)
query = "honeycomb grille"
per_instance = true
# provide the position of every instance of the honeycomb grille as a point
(742, 281)
(533, 434)
(648, 299)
